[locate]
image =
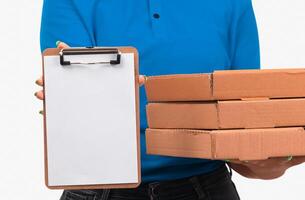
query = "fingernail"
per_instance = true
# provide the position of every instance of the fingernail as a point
(41, 112)
(36, 82)
(35, 94)
(58, 42)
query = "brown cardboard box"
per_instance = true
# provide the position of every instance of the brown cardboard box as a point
(259, 113)
(246, 144)
(227, 85)
(182, 87)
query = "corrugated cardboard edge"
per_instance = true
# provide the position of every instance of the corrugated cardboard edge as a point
(176, 87)
(243, 144)
(187, 115)
(262, 113)
(227, 85)
(55, 51)
(177, 142)
(254, 113)
(269, 83)
(258, 144)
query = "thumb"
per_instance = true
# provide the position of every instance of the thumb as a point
(61, 45)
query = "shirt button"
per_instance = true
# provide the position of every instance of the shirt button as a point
(156, 16)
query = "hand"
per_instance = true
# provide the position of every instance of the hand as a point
(61, 45)
(265, 169)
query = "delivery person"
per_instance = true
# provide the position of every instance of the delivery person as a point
(172, 37)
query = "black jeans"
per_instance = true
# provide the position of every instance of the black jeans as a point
(212, 186)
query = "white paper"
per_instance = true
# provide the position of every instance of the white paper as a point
(91, 121)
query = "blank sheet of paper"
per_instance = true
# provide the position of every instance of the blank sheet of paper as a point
(91, 121)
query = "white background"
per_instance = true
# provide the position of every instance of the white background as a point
(282, 36)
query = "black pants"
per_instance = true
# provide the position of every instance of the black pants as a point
(212, 186)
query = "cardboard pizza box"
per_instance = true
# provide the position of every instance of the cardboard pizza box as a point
(227, 85)
(237, 114)
(243, 144)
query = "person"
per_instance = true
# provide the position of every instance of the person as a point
(172, 37)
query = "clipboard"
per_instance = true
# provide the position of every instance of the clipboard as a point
(91, 118)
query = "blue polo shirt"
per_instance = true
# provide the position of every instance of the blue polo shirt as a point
(172, 37)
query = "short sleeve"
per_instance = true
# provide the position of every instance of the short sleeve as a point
(244, 40)
(62, 21)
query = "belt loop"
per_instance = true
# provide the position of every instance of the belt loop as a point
(198, 188)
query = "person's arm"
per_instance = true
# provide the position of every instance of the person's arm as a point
(244, 40)
(245, 54)
(62, 21)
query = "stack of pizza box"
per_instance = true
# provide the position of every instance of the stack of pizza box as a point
(239, 114)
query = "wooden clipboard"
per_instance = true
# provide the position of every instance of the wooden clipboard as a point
(50, 152)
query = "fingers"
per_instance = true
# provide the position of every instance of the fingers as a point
(39, 95)
(39, 81)
(271, 162)
(142, 80)
(262, 163)
(296, 160)
(61, 45)
(234, 161)
(265, 169)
